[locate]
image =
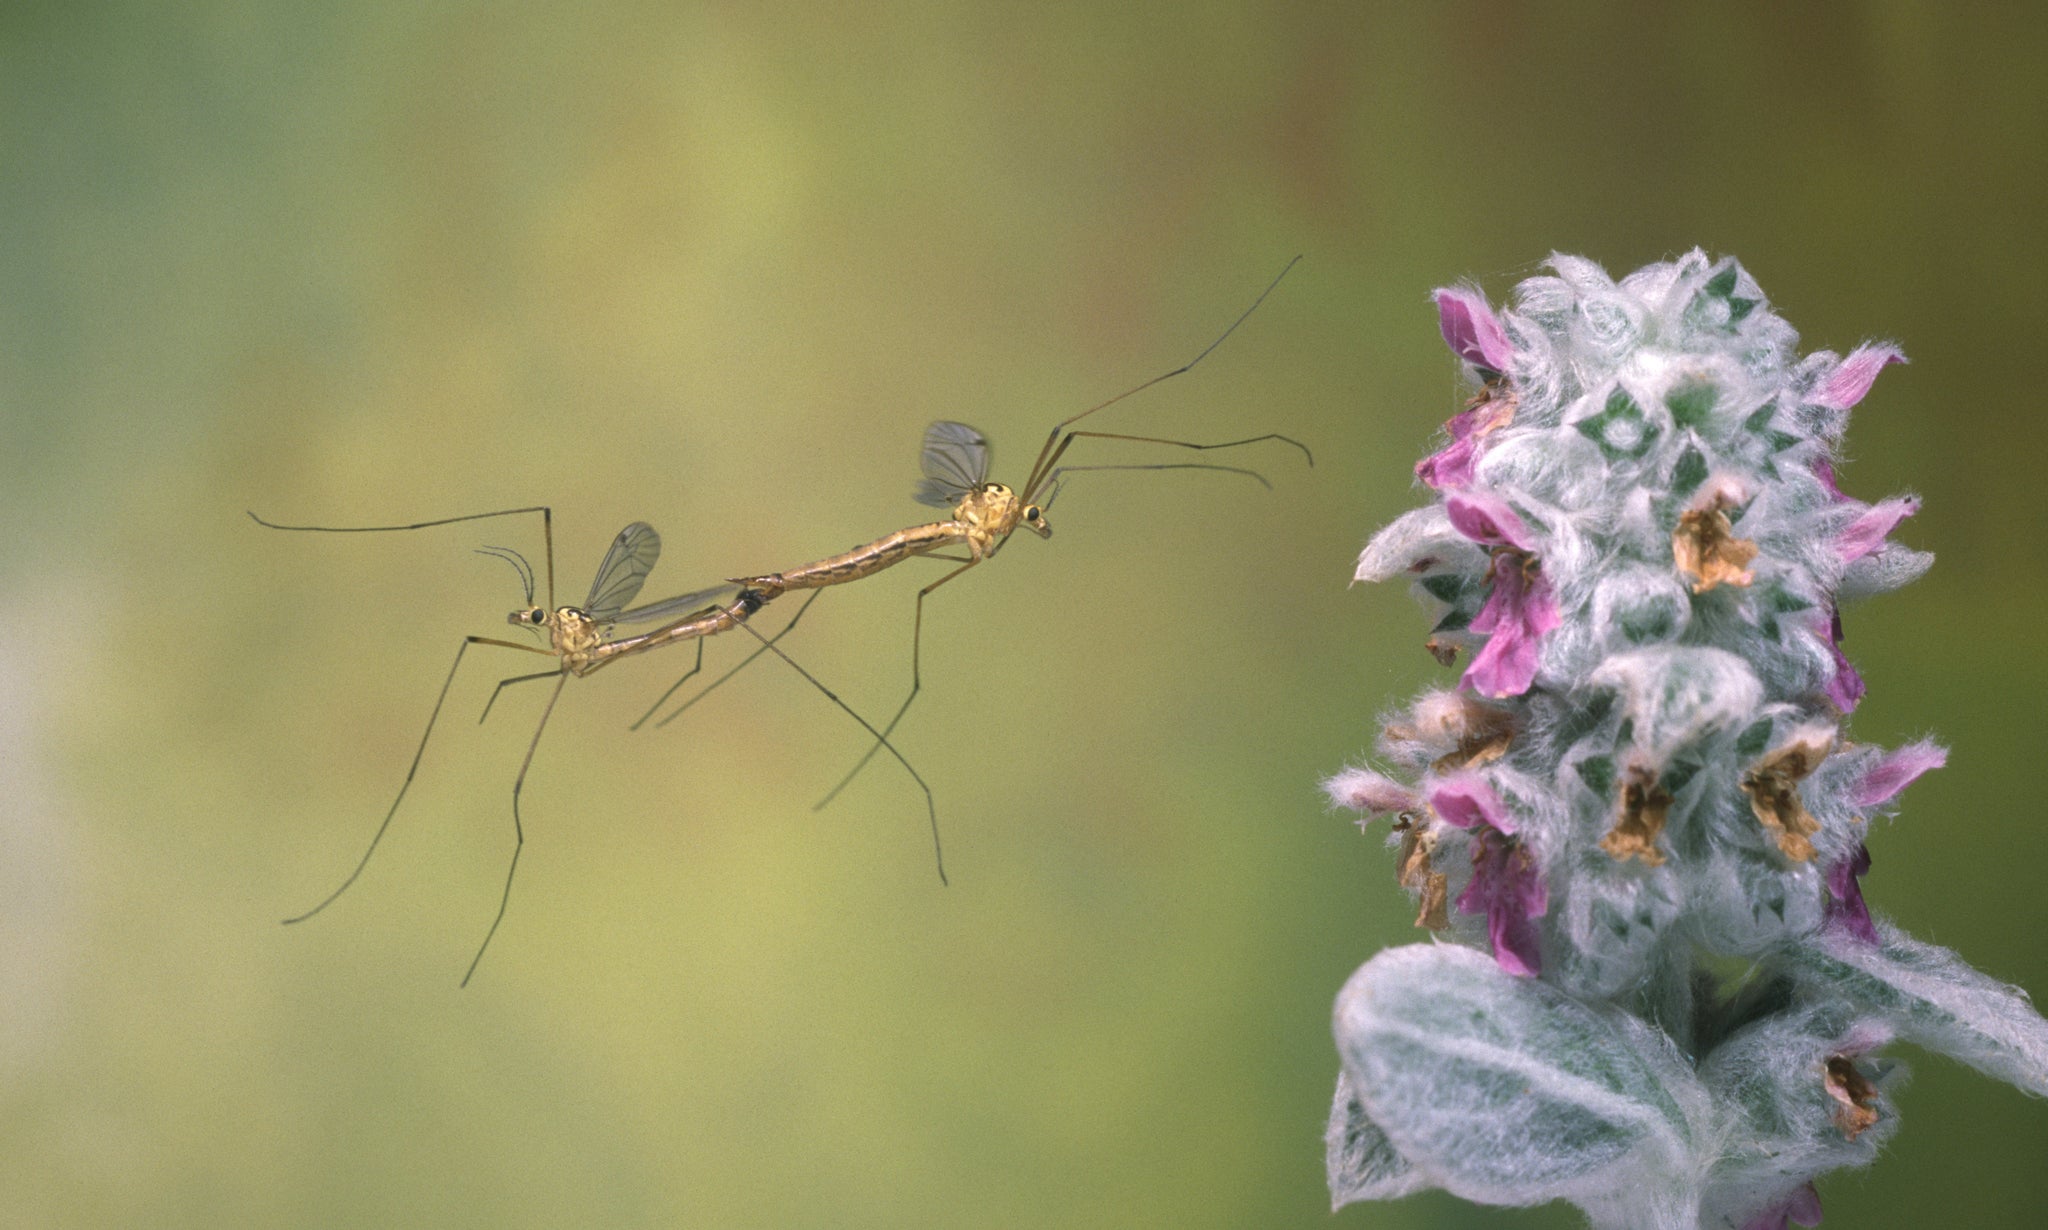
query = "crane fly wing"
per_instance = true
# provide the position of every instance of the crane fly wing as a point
(670, 609)
(955, 461)
(624, 570)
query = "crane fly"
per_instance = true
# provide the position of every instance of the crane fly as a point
(582, 641)
(955, 461)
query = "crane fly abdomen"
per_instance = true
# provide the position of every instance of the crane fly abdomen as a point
(862, 560)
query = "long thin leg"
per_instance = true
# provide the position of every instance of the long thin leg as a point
(505, 683)
(1192, 445)
(518, 829)
(1271, 435)
(882, 740)
(1050, 467)
(678, 712)
(547, 527)
(1053, 478)
(1040, 467)
(412, 769)
(662, 699)
(916, 642)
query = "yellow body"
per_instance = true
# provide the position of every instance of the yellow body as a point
(989, 513)
(583, 644)
(575, 636)
(984, 517)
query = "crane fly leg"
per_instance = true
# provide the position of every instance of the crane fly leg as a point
(547, 530)
(931, 807)
(505, 683)
(518, 829)
(709, 687)
(916, 649)
(413, 768)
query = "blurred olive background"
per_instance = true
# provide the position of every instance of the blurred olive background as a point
(716, 267)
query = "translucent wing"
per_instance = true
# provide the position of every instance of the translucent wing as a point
(624, 569)
(955, 462)
(670, 609)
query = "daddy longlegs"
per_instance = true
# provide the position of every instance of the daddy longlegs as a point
(580, 638)
(955, 461)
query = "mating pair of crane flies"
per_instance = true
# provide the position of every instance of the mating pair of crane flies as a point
(579, 637)
(955, 461)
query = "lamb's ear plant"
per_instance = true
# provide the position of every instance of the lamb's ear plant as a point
(1638, 817)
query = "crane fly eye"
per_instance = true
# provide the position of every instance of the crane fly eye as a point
(537, 616)
(1032, 513)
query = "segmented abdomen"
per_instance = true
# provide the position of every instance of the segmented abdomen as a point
(864, 560)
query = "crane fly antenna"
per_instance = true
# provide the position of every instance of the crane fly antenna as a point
(519, 565)
(1040, 466)
(547, 523)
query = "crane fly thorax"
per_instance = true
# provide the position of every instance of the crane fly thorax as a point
(988, 512)
(575, 633)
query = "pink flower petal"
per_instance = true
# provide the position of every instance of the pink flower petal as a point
(1867, 532)
(1894, 772)
(1452, 467)
(1465, 422)
(1488, 521)
(1374, 794)
(1801, 1208)
(1507, 887)
(1824, 469)
(1804, 1206)
(1518, 613)
(1466, 801)
(1773, 1218)
(1847, 384)
(1845, 690)
(1844, 908)
(1845, 687)
(1515, 945)
(1471, 329)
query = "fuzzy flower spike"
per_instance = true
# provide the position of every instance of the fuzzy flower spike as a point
(1641, 777)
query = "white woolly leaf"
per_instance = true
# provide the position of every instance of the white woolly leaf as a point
(1424, 534)
(1934, 1000)
(1614, 921)
(1769, 1079)
(1747, 901)
(1362, 1163)
(1888, 568)
(1640, 605)
(1560, 468)
(1677, 695)
(1507, 1091)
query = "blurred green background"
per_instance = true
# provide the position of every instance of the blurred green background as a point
(716, 267)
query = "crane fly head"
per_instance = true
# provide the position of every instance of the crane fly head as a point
(529, 615)
(570, 630)
(993, 511)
